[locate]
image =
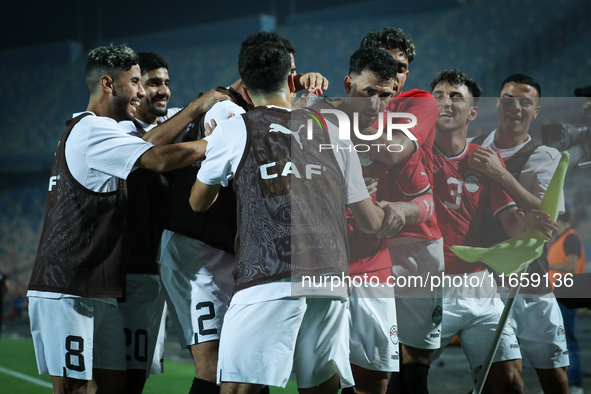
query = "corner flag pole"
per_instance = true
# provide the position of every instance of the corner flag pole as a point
(497, 340)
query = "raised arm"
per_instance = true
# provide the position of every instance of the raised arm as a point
(168, 131)
(488, 161)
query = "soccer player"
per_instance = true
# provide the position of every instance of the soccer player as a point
(198, 248)
(462, 195)
(374, 330)
(529, 168)
(291, 200)
(79, 271)
(418, 248)
(143, 310)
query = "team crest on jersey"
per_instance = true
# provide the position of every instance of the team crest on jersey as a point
(472, 182)
(394, 334)
(560, 333)
(365, 159)
(437, 314)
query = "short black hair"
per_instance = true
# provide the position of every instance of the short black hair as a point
(149, 61)
(108, 60)
(263, 37)
(390, 38)
(264, 68)
(524, 79)
(456, 77)
(375, 60)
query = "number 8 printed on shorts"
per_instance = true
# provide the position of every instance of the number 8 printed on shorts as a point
(74, 357)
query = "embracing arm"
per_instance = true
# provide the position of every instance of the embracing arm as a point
(170, 157)
(488, 161)
(369, 216)
(203, 195)
(168, 131)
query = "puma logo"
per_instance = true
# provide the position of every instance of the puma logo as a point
(277, 128)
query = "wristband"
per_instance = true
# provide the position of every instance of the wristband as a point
(426, 207)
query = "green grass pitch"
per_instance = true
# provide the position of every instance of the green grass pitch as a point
(18, 355)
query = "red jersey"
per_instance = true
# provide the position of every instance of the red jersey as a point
(368, 254)
(402, 188)
(461, 196)
(405, 181)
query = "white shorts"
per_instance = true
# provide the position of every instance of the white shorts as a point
(185, 254)
(261, 342)
(539, 326)
(73, 336)
(373, 330)
(475, 322)
(199, 284)
(197, 303)
(143, 314)
(418, 309)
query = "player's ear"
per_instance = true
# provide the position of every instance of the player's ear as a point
(246, 95)
(348, 83)
(107, 84)
(291, 83)
(473, 113)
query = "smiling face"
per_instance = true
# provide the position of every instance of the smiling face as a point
(127, 93)
(456, 107)
(375, 89)
(156, 84)
(517, 106)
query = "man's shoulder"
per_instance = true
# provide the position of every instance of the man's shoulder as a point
(471, 148)
(97, 123)
(129, 127)
(413, 98)
(546, 153)
(234, 125)
(170, 112)
(415, 93)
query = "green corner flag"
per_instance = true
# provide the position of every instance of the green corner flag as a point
(515, 254)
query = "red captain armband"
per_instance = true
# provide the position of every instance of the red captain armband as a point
(426, 207)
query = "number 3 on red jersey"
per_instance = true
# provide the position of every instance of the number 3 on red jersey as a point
(455, 193)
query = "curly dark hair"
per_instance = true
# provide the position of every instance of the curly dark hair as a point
(524, 79)
(263, 37)
(390, 38)
(108, 60)
(149, 61)
(374, 60)
(456, 77)
(264, 68)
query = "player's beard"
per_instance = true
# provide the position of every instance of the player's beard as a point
(120, 106)
(155, 111)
